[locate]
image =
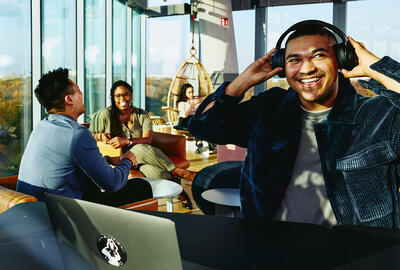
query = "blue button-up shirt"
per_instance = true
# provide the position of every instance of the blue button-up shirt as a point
(59, 157)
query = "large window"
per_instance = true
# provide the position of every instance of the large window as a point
(95, 56)
(376, 24)
(153, 3)
(136, 57)
(119, 41)
(244, 27)
(168, 46)
(59, 36)
(15, 83)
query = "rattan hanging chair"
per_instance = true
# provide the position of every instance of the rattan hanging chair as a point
(192, 71)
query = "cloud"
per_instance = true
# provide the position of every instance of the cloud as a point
(48, 45)
(91, 54)
(118, 57)
(6, 60)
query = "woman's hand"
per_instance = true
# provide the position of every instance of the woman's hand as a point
(105, 137)
(365, 60)
(118, 142)
(102, 137)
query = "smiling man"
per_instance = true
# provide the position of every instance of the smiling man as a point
(318, 152)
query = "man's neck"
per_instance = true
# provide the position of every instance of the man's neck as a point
(70, 114)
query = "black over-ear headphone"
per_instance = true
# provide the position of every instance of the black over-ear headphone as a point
(345, 54)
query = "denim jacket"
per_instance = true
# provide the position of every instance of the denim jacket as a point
(358, 142)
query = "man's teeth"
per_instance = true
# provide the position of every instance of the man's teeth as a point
(310, 80)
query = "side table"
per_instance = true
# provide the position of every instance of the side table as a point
(163, 188)
(227, 201)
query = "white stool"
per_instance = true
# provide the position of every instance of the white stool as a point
(227, 201)
(163, 188)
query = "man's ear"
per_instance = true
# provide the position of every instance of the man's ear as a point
(68, 99)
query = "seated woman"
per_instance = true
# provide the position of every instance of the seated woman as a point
(123, 125)
(187, 106)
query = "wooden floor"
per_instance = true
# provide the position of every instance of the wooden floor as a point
(197, 162)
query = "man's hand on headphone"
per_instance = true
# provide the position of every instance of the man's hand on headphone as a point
(365, 60)
(257, 72)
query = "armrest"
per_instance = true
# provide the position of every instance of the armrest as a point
(9, 198)
(149, 205)
(170, 144)
(9, 182)
(165, 109)
(108, 150)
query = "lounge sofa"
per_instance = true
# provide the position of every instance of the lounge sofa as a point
(10, 197)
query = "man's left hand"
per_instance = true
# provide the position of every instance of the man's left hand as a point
(365, 60)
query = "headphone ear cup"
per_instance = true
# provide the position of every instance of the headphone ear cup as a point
(278, 60)
(346, 56)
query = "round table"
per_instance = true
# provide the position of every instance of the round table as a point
(227, 201)
(163, 188)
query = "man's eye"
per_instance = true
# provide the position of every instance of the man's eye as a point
(293, 60)
(319, 55)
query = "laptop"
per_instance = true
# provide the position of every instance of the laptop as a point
(94, 236)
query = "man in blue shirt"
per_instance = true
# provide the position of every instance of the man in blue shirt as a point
(62, 156)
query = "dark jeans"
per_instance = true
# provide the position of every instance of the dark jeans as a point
(136, 189)
(221, 175)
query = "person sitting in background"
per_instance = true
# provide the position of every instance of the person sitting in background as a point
(187, 106)
(62, 157)
(123, 125)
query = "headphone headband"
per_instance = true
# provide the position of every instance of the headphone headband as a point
(329, 26)
(344, 51)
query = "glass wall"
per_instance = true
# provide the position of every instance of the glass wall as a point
(168, 42)
(119, 41)
(15, 83)
(244, 27)
(136, 57)
(95, 56)
(381, 33)
(59, 36)
(154, 3)
(281, 18)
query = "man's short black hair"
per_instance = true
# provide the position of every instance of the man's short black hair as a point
(52, 89)
(308, 30)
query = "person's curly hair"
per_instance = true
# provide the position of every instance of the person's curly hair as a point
(52, 89)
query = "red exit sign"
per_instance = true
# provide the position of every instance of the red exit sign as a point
(224, 22)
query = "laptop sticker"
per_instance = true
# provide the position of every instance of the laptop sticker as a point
(111, 250)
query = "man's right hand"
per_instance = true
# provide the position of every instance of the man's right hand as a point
(258, 72)
(129, 155)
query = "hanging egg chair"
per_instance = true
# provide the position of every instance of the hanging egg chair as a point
(192, 71)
